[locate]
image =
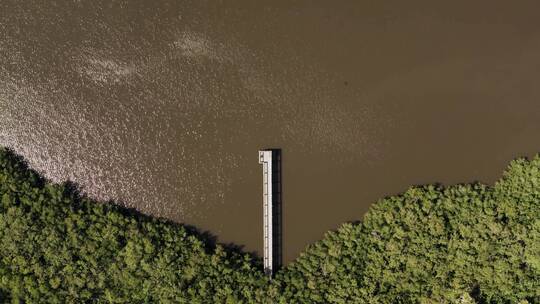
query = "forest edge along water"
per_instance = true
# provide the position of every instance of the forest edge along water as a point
(161, 105)
(54, 240)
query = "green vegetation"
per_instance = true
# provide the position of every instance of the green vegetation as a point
(57, 247)
(460, 244)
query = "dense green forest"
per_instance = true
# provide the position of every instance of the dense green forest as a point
(459, 244)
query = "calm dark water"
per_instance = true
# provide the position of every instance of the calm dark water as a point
(163, 105)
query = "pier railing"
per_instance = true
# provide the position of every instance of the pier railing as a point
(272, 200)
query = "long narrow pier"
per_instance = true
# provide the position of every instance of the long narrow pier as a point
(271, 161)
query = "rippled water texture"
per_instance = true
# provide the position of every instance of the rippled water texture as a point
(162, 105)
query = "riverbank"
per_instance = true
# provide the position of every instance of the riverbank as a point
(430, 244)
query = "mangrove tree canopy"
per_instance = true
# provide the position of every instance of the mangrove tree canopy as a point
(459, 244)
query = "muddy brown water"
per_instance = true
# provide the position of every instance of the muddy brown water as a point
(163, 105)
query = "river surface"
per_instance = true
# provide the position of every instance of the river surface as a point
(162, 105)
